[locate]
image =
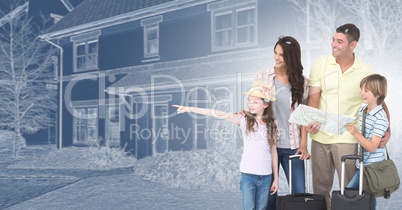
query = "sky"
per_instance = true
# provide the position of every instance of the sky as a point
(42, 6)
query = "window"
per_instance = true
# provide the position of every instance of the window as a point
(151, 41)
(86, 55)
(246, 24)
(85, 50)
(85, 125)
(235, 27)
(223, 30)
(151, 36)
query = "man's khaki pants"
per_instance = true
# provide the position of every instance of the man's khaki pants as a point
(325, 158)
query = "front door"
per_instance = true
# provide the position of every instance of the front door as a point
(160, 132)
(113, 126)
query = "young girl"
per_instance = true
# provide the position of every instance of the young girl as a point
(373, 92)
(259, 162)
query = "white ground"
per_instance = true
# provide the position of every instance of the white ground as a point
(176, 180)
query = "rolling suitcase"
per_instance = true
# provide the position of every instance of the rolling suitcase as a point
(352, 199)
(299, 201)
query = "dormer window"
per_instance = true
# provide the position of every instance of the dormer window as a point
(151, 36)
(151, 41)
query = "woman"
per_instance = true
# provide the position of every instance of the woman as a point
(291, 90)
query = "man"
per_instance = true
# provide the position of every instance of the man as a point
(334, 87)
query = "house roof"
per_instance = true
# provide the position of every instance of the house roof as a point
(94, 10)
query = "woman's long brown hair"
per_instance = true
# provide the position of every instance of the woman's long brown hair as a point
(292, 57)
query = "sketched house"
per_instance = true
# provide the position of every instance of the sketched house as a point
(123, 63)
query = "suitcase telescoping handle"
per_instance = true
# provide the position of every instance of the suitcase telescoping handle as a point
(290, 173)
(354, 157)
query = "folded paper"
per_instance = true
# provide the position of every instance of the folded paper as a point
(330, 122)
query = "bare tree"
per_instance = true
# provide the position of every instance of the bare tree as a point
(321, 18)
(25, 71)
(381, 22)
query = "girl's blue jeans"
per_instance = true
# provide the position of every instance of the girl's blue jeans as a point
(255, 190)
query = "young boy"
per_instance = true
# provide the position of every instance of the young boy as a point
(373, 92)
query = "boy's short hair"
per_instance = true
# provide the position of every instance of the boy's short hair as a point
(351, 31)
(377, 84)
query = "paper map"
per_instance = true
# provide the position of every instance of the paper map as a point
(330, 122)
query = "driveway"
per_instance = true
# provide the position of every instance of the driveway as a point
(126, 191)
